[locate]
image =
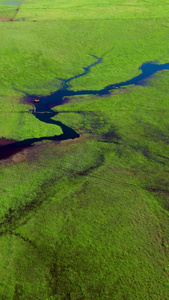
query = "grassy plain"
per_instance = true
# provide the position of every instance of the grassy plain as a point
(86, 219)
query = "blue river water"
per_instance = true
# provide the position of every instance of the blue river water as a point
(43, 109)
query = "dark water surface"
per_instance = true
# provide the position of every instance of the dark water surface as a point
(43, 109)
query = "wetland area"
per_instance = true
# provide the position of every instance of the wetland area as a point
(44, 113)
(84, 150)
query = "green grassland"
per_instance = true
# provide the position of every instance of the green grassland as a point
(86, 219)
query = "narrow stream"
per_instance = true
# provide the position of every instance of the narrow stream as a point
(43, 109)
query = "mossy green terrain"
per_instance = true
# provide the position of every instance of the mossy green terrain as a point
(86, 219)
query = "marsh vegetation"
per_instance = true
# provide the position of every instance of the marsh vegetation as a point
(85, 218)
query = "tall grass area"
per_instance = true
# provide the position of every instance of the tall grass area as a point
(86, 219)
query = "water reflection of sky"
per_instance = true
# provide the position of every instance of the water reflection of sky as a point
(11, 2)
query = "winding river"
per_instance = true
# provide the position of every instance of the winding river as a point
(43, 109)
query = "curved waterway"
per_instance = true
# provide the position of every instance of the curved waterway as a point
(43, 109)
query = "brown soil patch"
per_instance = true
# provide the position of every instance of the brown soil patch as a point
(68, 142)
(19, 157)
(5, 20)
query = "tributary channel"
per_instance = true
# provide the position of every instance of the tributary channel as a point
(43, 108)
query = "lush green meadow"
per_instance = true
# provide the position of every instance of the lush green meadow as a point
(89, 218)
